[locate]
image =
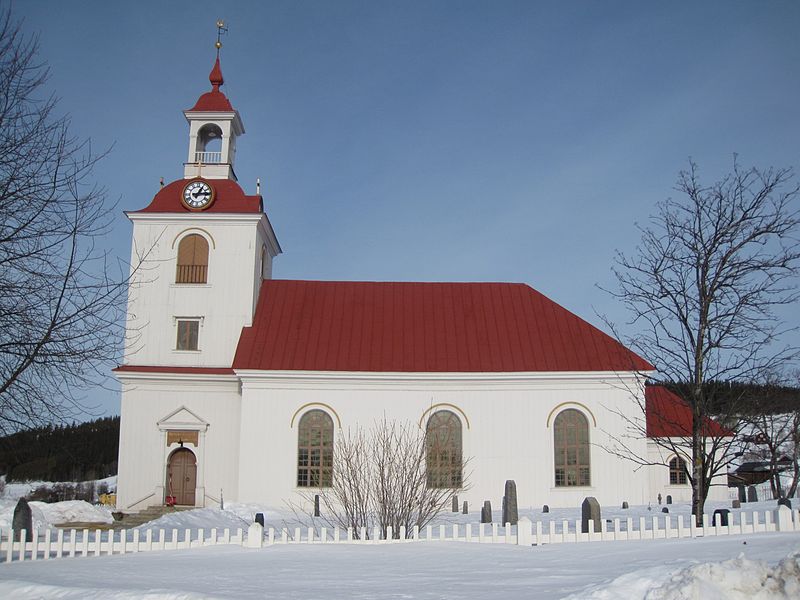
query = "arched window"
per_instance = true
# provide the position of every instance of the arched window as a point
(192, 260)
(571, 444)
(443, 450)
(315, 450)
(677, 471)
(209, 144)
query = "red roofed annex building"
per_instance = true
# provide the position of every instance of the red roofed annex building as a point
(240, 384)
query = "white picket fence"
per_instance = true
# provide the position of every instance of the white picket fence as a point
(71, 543)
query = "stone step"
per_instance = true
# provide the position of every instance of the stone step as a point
(151, 513)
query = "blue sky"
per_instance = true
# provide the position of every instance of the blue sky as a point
(437, 141)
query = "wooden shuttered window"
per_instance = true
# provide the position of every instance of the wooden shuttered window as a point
(192, 260)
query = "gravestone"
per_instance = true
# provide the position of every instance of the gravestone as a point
(23, 519)
(260, 519)
(510, 512)
(590, 511)
(752, 493)
(659, 498)
(455, 504)
(465, 511)
(736, 504)
(785, 502)
(665, 510)
(624, 505)
(742, 493)
(669, 499)
(316, 505)
(545, 509)
(486, 512)
(723, 516)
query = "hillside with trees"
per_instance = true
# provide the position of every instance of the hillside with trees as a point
(76, 452)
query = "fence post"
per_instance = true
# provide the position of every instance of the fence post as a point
(35, 544)
(524, 531)
(783, 519)
(255, 535)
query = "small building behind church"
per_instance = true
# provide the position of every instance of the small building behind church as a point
(240, 384)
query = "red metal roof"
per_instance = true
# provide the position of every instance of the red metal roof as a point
(422, 327)
(667, 415)
(228, 198)
(213, 101)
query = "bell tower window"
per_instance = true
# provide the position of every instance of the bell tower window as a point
(209, 145)
(192, 260)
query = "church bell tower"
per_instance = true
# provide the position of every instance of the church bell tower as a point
(208, 247)
(213, 128)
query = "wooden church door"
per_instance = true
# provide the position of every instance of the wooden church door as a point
(182, 476)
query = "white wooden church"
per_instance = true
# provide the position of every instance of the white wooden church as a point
(241, 384)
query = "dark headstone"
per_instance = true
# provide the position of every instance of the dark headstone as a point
(590, 511)
(659, 497)
(665, 510)
(23, 519)
(465, 510)
(455, 504)
(736, 504)
(486, 512)
(510, 512)
(260, 519)
(545, 509)
(669, 499)
(742, 493)
(785, 502)
(624, 505)
(752, 493)
(316, 505)
(723, 516)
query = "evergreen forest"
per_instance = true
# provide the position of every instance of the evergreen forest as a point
(76, 452)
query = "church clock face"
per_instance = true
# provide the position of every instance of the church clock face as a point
(197, 195)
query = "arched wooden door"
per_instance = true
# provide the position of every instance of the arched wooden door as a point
(182, 476)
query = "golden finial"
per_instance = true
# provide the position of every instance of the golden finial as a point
(221, 29)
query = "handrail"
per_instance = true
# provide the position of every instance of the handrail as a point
(141, 500)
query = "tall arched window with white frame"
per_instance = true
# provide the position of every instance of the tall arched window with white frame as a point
(571, 449)
(315, 450)
(443, 450)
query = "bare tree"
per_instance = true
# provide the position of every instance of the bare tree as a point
(703, 287)
(61, 309)
(380, 480)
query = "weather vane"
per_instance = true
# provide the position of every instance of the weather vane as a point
(221, 29)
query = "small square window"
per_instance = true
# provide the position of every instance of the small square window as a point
(188, 331)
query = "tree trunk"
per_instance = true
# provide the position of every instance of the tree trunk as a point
(698, 470)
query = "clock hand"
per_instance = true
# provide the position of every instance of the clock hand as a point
(199, 193)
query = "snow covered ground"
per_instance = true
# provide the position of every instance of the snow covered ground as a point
(752, 567)
(663, 569)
